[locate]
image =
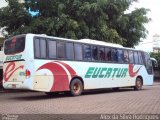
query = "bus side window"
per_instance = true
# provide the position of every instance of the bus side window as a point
(125, 56)
(114, 55)
(119, 54)
(43, 48)
(87, 52)
(52, 49)
(40, 48)
(108, 54)
(37, 48)
(136, 61)
(101, 54)
(94, 53)
(131, 60)
(78, 51)
(60, 50)
(140, 58)
(69, 51)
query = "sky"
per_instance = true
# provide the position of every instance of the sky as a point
(153, 26)
(3, 3)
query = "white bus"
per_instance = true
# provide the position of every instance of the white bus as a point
(1, 68)
(53, 64)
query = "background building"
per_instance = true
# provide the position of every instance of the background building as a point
(156, 43)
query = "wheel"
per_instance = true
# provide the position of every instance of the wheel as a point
(139, 84)
(76, 87)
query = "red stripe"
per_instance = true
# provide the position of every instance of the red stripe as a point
(61, 82)
(131, 73)
(71, 70)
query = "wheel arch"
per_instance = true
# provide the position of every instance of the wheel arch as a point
(77, 77)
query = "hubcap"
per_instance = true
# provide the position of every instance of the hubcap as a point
(76, 87)
(139, 84)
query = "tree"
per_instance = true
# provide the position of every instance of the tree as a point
(103, 20)
(156, 56)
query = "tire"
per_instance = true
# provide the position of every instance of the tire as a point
(76, 87)
(138, 84)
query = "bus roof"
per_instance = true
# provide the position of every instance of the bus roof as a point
(96, 42)
(87, 41)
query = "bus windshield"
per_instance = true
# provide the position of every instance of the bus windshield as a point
(14, 45)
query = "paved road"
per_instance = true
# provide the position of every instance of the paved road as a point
(125, 101)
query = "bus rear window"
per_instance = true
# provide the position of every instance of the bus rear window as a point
(14, 45)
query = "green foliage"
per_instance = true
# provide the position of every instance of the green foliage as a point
(103, 20)
(156, 56)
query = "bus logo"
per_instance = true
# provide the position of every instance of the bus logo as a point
(10, 69)
(131, 72)
(61, 72)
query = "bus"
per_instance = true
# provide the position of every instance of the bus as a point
(52, 64)
(1, 69)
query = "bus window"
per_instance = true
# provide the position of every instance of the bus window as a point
(136, 61)
(14, 45)
(140, 58)
(87, 52)
(40, 48)
(148, 63)
(69, 51)
(108, 54)
(43, 48)
(125, 56)
(114, 55)
(37, 48)
(119, 53)
(52, 49)
(94, 53)
(131, 60)
(101, 54)
(60, 50)
(78, 51)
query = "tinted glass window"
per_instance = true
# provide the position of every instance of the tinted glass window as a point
(125, 56)
(43, 48)
(14, 45)
(102, 53)
(78, 51)
(140, 58)
(37, 48)
(114, 55)
(87, 52)
(148, 63)
(69, 51)
(52, 49)
(136, 61)
(40, 48)
(119, 53)
(131, 60)
(94, 53)
(107, 54)
(60, 50)
(146, 58)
